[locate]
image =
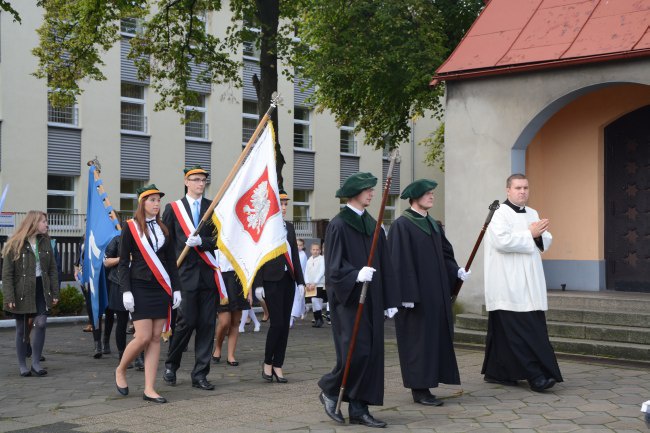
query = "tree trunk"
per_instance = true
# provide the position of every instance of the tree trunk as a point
(268, 13)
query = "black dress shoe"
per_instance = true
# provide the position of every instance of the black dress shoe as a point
(541, 383)
(145, 397)
(367, 420)
(490, 379)
(122, 391)
(267, 377)
(232, 364)
(429, 401)
(41, 372)
(139, 362)
(169, 376)
(330, 408)
(26, 373)
(203, 384)
(216, 359)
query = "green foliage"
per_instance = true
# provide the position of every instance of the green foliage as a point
(458, 16)
(6, 6)
(435, 144)
(372, 62)
(71, 302)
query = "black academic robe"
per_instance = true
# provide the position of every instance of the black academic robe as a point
(427, 272)
(346, 252)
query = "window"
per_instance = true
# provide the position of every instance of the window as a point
(196, 125)
(348, 145)
(60, 194)
(301, 205)
(133, 108)
(68, 115)
(128, 197)
(390, 209)
(130, 26)
(301, 136)
(250, 119)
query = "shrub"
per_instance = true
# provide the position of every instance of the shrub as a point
(71, 302)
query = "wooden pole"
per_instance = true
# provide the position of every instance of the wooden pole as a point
(459, 283)
(364, 288)
(233, 172)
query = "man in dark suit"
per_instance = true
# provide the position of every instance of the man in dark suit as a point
(277, 280)
(199, 308)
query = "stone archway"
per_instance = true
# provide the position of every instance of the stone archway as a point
(627, 202)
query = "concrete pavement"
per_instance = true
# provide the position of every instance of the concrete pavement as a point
(78, 394)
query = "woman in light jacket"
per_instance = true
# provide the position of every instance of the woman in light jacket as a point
(30, 285)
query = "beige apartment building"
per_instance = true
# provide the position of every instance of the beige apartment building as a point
(44, 151)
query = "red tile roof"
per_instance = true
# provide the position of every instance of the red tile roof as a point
(520, 35)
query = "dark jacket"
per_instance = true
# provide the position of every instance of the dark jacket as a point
(194, 273)
(19, 277)
(112, 252)
(274, 269)
(132, 265)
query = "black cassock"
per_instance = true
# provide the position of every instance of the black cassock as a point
(424, 259)
(346, 251)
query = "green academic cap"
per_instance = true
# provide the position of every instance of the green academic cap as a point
(197, 169)
(417, 189)
(147, 190)
(356, 183)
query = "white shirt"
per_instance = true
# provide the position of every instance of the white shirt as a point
(156, 235)
(224, 264)
(514, 276)
(357, 211)
(315, 273)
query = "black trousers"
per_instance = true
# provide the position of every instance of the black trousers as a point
(279, 300)
(196, 313)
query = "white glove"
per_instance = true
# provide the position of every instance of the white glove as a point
(301, 290)
(391, 312)
(259, 293)
(408, 304)
(365, 274)
(128, 301)
(194, 241)
(177, 300)
(463, 274)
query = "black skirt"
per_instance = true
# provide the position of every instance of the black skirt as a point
(151, 300)
(320, 293)
(236, 300)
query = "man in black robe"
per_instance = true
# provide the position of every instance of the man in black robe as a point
(428, 271)
(348, 240)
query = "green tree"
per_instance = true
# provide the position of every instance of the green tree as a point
(372, 62)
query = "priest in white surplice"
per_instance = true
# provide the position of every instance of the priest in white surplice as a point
(517, 345)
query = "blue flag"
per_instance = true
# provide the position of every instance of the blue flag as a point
(100, 229)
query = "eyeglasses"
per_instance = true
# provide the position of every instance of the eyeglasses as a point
(198, 179)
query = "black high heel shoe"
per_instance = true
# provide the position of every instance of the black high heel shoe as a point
(278, 378)
(267, 377)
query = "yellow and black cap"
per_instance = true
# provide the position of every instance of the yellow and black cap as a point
(148, 190)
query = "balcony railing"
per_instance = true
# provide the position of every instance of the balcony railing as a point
(60, 224)
(64, 115)
(196, 130)
(134, 122)
(302, 141)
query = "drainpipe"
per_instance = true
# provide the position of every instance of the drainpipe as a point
(412, 150)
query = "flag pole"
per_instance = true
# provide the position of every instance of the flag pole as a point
(100, 188)
(275, 100)
(364, 289)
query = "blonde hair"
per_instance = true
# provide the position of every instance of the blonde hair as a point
(26, 229)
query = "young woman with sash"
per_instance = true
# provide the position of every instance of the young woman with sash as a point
(150, 288)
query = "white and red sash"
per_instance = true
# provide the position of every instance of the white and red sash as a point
(187, 225)
(154, 264)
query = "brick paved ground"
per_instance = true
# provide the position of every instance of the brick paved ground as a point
(79, 394)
